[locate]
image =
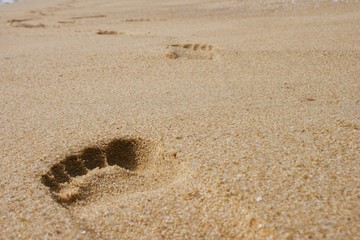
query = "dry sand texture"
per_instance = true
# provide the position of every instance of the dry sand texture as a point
(180, 119)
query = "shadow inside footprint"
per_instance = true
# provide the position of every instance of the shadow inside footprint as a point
(58, 171)
(74, 166)
(93, 157)
(122, 152)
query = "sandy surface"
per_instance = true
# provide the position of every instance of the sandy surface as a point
(180, 119)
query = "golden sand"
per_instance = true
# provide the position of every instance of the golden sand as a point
(178, 119)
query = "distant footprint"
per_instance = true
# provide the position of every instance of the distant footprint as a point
(106, 32)
(86, 17)
(29, 25)
(138, 20)
(191, 51)
(67, 21)
(24, 23)
(123, 165)
(12, 21)
(143, 20)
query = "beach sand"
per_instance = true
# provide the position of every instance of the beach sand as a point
(178, 119)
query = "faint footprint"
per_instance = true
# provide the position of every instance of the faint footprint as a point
(106, 32)
(12, 21)
(138, 20)
(25, 23)
(39, 13)
(29, 25)
(75, 19)
(67, 21)
(191, 51)
(143, 20)
(91, 16)
(121, 166)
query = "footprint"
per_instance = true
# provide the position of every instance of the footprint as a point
(144, 20)
(106, 32)
(74, 19)
(91, 16)
(28, 25)
(191, 51)
(12, 21)
(24, 22)
(138, 20)
(38, 12)
(67, 21)
(121, 166)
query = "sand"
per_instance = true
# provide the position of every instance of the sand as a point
(178, 119)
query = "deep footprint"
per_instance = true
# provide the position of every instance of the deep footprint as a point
(76, 176)
(191, 51)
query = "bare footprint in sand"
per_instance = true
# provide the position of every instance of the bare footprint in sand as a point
(107, 32)
(138, 20)
(89, 16)
(121, 166)
(191, 51)
(29, 25)
(25, 23)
